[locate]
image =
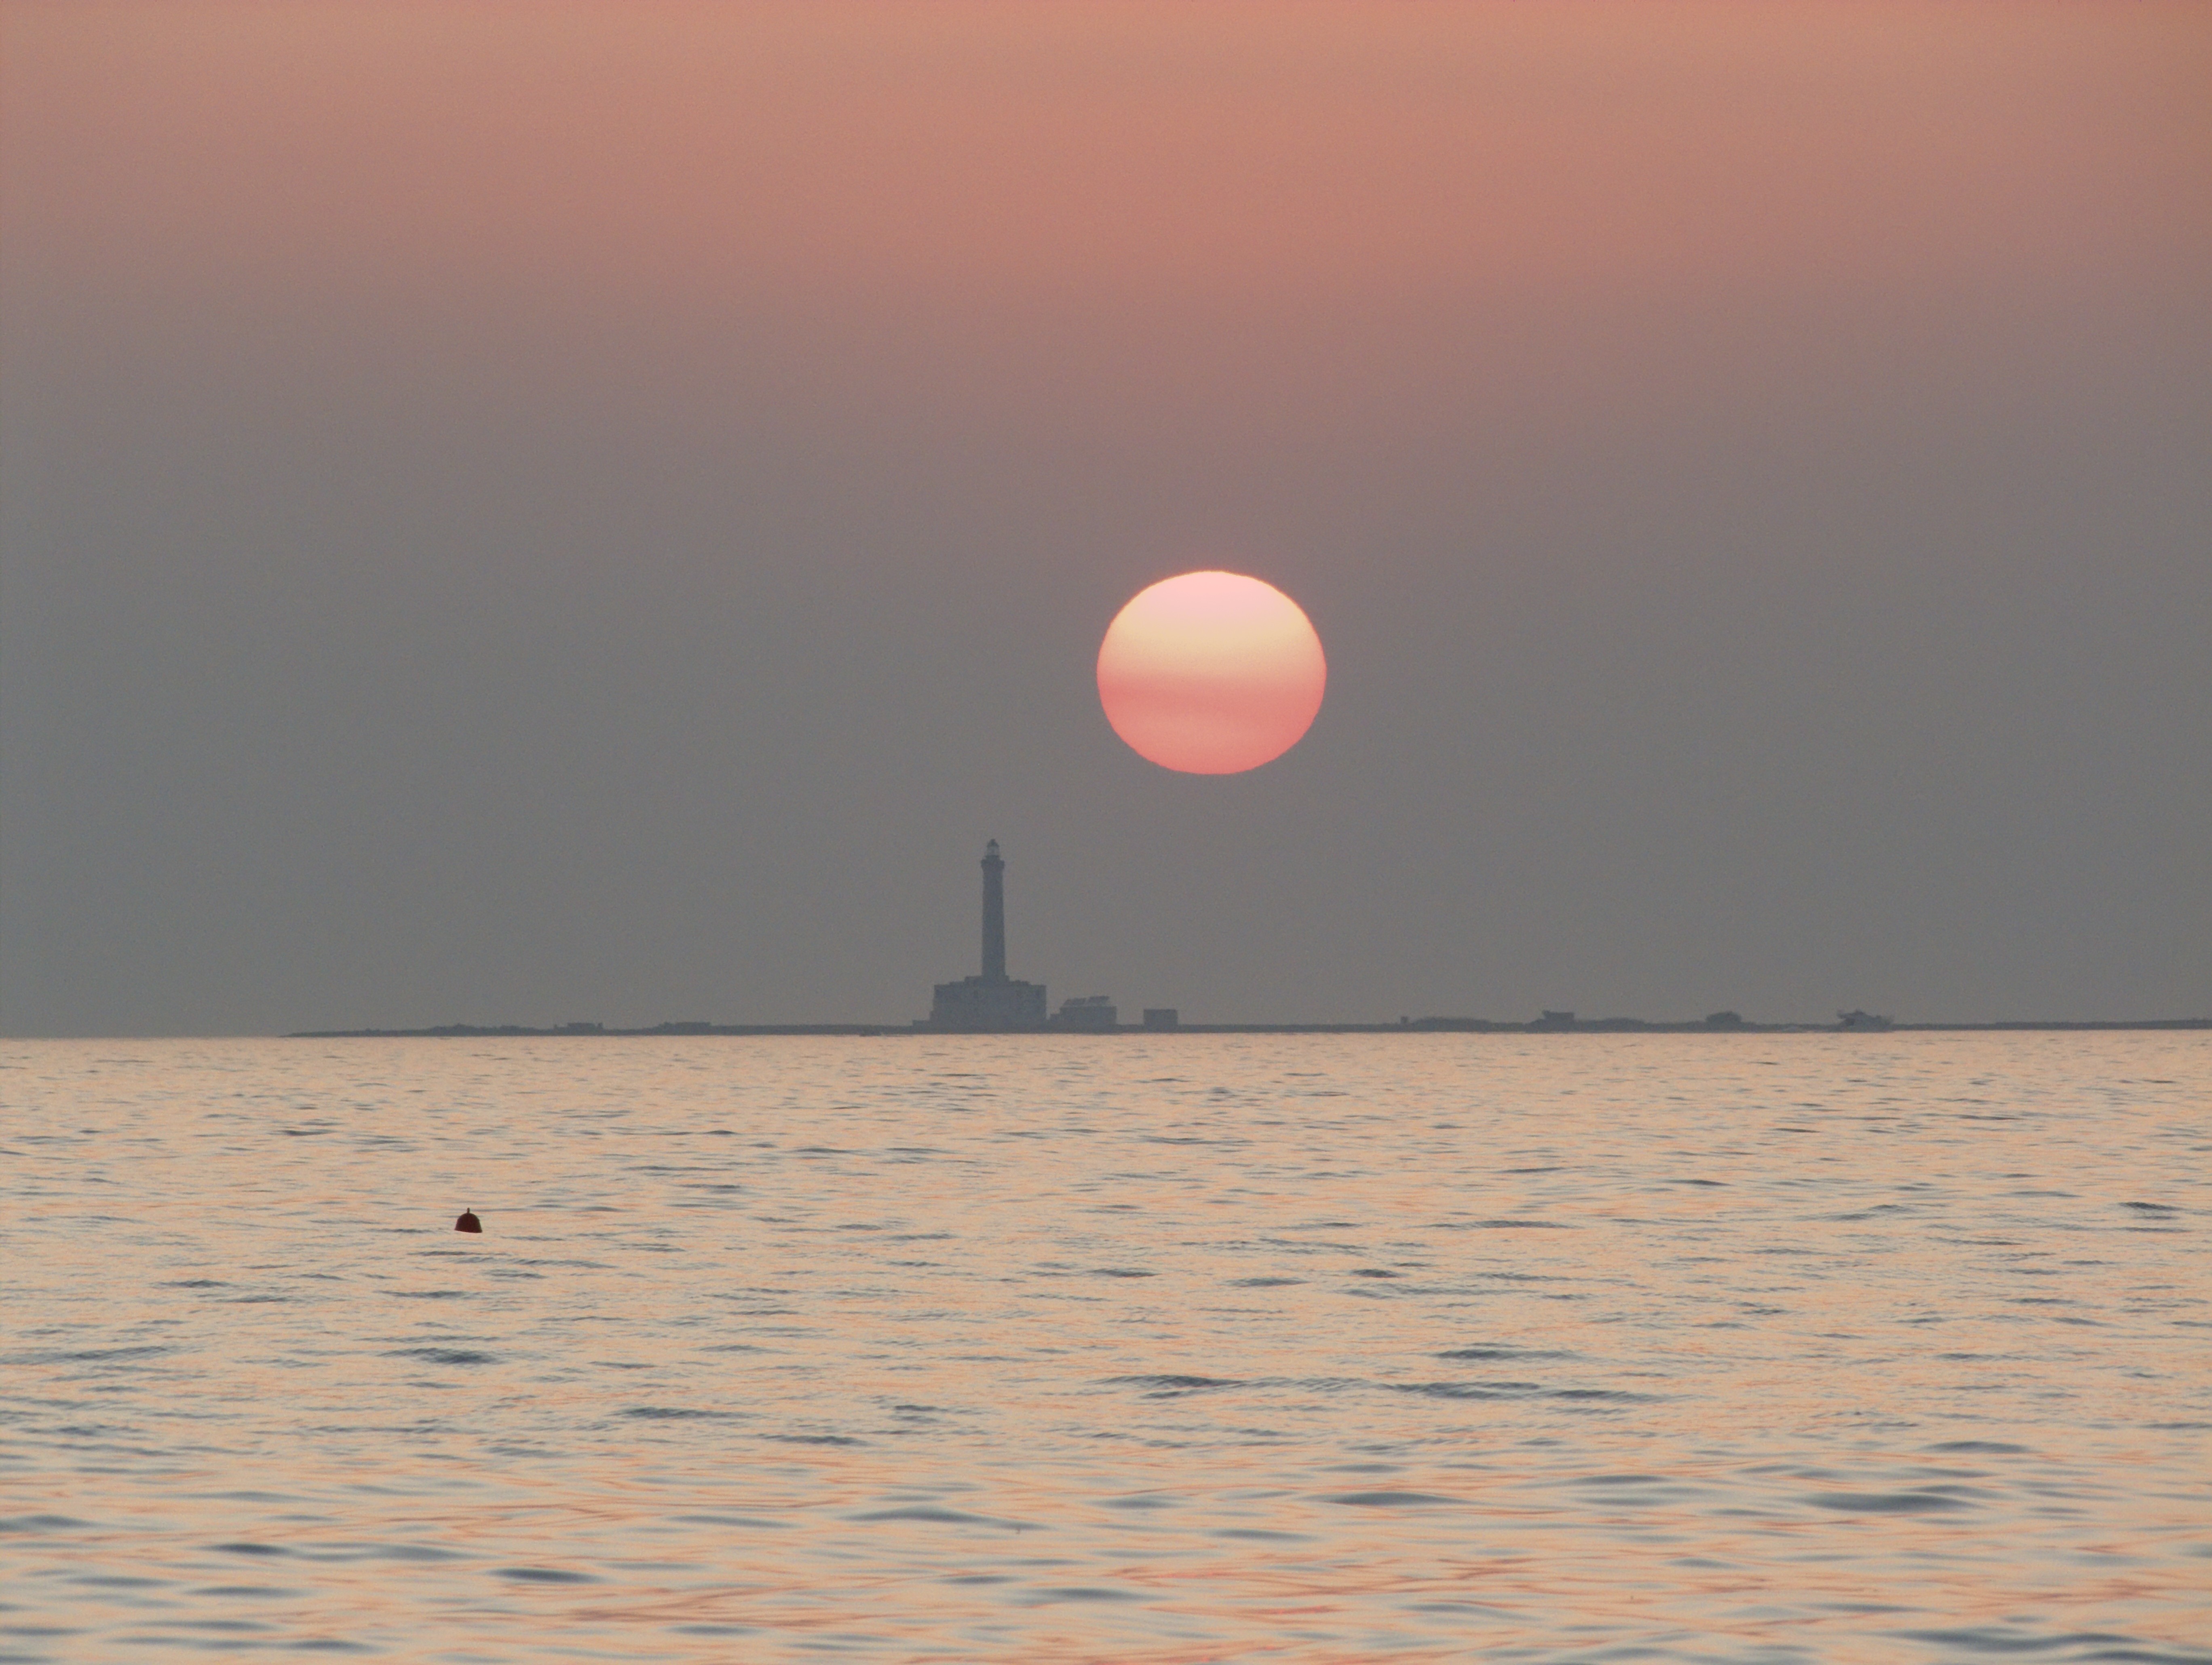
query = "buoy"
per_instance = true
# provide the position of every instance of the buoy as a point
(468, 1221)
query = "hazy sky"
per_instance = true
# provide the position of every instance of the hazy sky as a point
(527, 512)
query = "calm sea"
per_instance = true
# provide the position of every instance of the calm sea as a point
(1868, 1347)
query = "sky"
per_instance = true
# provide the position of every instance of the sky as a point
(533, 512)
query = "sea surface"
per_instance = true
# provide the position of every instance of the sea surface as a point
(1160, 1348)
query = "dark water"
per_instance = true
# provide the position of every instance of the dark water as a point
(1175, 1348)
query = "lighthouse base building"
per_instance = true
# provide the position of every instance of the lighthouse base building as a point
(976, 1002)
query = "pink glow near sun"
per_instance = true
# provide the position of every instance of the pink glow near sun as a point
(1211, 673)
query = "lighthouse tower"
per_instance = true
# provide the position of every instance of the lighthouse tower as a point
(994, 914)
(993, 1000)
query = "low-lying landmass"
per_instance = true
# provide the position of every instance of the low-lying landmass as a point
(992, 1003)
(1551, 1023)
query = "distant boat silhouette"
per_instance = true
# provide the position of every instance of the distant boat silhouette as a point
(468, 1221)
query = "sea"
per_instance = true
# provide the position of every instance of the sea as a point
(1761, 1347)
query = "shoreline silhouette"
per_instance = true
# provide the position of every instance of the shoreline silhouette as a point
(1422, 1025)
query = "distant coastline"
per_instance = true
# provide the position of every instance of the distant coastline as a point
(992, 1002)
(1428, 1025)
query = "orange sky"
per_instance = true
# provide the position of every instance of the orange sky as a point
(1283, 155)
(1745, 462)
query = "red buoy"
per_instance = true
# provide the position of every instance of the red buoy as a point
(468, 1221)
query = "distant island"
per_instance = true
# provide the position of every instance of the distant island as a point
(993, 1003)
(1549, 1024)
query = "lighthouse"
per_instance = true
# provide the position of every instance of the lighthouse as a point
(993, 1000)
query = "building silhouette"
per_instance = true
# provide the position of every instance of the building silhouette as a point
(993, 1000)
(1088, 1012)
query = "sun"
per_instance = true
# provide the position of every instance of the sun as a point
(1211, 673)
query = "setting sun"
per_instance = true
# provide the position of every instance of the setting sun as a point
(1211, 673)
